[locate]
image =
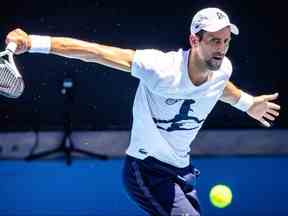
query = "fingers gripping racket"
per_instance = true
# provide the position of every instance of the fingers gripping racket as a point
(11, 81)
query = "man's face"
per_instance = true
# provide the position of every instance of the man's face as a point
(214, 46)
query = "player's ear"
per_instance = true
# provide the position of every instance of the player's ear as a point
(193, 40)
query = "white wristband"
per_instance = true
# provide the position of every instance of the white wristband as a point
(245, 102)
(40, 44)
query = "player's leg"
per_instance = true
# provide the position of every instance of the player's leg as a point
(157, 192)
(135, 183)
(189, 188)
(182, 205)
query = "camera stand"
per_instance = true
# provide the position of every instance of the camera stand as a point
(66, 146)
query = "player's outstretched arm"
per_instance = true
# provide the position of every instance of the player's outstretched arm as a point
(117, 58)
(260, 107)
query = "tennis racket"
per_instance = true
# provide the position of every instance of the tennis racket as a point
(11, 81)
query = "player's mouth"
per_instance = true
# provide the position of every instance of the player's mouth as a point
(217, 58)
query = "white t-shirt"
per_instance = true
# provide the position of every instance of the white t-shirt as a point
(168, 109)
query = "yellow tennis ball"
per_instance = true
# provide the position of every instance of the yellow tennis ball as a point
(220, 196)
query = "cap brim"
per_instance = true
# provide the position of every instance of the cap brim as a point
(214, 28)
(234, 29)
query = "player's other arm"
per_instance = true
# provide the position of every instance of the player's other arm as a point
(260, 107)
(113, 57)
(231, 94)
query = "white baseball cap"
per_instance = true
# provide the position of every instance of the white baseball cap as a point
(211, 20)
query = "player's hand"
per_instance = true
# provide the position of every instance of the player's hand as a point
(263, 109)
(21, 38)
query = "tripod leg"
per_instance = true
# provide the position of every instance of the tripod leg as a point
(91, 154)
(62, 148)
(42, 154)
(82, 151)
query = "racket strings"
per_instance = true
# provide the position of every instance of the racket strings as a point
(9, 83)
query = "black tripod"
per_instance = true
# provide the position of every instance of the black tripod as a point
(66, 146)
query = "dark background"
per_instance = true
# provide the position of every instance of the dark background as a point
(103, 97)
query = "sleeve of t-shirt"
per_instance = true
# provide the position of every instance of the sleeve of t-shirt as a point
(154, 68)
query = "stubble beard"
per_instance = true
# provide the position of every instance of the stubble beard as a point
(213, 65)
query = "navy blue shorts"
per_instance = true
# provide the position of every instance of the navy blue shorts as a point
(161, 189)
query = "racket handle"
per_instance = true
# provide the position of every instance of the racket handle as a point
(11, 47)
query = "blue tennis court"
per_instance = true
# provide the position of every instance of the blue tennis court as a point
(91, 187)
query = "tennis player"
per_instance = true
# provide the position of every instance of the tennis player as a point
(177, 91)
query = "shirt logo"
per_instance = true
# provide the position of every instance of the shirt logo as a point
(181, 121)
(171, 101)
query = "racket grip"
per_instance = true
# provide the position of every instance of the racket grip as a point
(11, 47)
